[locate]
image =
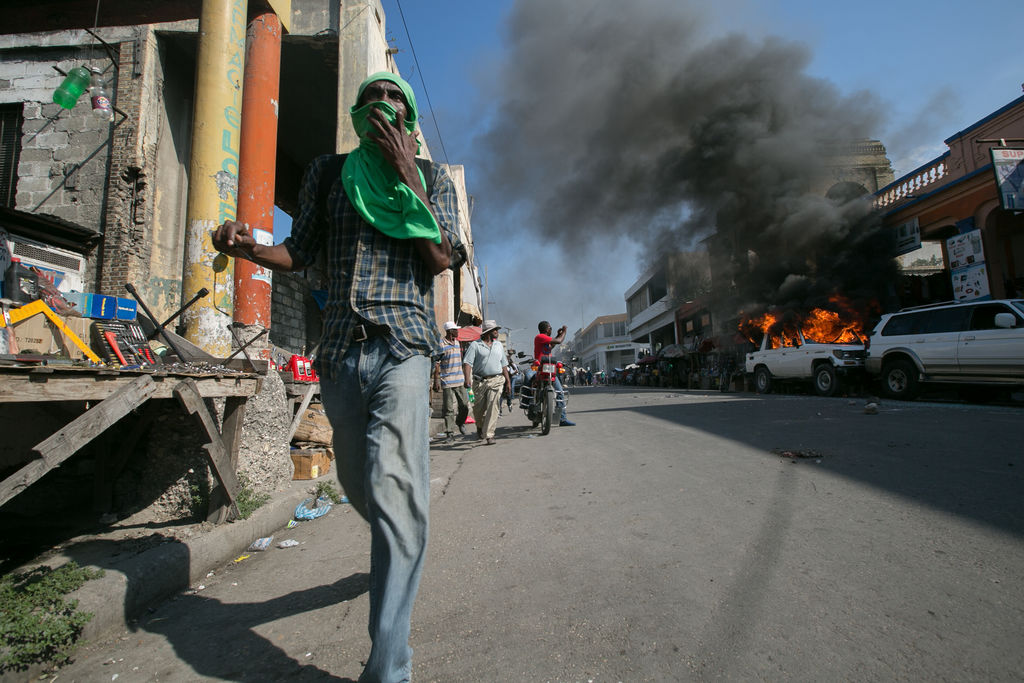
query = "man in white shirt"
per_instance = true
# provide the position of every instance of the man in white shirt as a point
(485, 364)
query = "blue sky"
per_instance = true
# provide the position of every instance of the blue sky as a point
(931, 68)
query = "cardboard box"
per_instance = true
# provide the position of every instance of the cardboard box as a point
(38, 335)
(314, 426)
(310, 464)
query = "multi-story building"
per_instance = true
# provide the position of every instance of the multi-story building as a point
(105, 201)
(964, 207)
(604, 344)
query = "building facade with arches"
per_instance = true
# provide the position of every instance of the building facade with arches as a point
(955, 199)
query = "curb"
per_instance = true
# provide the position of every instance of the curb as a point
(124, 592)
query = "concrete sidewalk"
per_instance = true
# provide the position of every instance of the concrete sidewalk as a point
(135, 581)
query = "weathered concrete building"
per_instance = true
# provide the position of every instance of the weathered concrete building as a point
(104, 201)
(108, 198)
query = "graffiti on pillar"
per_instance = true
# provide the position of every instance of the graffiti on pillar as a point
(227, 175)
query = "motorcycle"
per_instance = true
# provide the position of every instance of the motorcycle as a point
(539, 398)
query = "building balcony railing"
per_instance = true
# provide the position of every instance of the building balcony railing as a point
(912, 183)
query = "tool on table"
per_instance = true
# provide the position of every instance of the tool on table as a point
(159, 328)
(199, 295)
(242, 348)
(111, 339)
(121, 341)
(252, 366)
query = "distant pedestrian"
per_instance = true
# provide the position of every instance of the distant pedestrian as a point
(485, 364)
(450, 380)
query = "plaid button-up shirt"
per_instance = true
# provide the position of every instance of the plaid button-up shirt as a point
(371, 277)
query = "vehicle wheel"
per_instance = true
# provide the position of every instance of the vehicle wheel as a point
(762, 380)
(899, 380)
(825, 381)
(547, 411)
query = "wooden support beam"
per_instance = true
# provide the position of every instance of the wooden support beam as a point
(306, 396)
(220, 460)
(66, 442)
(231, 436)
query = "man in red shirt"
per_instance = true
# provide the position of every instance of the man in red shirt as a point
(542, 345)
(544, 342)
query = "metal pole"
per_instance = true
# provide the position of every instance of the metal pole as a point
(257, 162)
(213, 170)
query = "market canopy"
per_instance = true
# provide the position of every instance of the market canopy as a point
(471, 333)
(672, 351)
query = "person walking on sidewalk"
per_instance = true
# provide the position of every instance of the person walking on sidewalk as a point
(450, 380)
(384, 238)
(485, 363)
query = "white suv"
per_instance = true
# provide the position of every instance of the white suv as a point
(975, 343)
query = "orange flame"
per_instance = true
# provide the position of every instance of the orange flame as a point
(841, 323)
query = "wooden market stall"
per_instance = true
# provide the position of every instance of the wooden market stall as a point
(111, 394)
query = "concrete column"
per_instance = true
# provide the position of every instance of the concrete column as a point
(258, 157)
(213, 170)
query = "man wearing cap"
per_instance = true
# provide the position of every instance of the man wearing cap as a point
(450, 380)
(383, 240)
(485, 363)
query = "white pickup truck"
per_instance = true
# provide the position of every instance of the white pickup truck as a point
(800, 359)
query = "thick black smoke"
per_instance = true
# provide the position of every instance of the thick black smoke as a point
(622, 121)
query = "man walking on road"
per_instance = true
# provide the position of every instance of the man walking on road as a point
(450, 380)
(384, 238)
(485, 363)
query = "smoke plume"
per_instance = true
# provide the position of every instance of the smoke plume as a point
(618, 121)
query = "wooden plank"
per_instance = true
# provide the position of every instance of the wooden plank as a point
(220, 461)
(90, 385)
(306, 397)
(80, 431)
(231, 436)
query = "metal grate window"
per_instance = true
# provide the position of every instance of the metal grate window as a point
(10, 150)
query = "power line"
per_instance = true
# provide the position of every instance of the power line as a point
(416, 60)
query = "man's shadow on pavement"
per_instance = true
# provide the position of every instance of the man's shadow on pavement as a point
(192, 624)
(214, 638)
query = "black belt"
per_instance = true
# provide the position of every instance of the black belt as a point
(487, 376)
(365, 330)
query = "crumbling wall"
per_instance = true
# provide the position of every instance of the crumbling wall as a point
(294, 314)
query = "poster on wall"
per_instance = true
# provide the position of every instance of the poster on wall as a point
(967, 266)
(965, 250)
(971, 283)
(1008, 165)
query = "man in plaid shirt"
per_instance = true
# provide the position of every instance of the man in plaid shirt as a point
(384, 240)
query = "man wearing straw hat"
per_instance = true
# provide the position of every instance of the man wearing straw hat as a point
(485, 364)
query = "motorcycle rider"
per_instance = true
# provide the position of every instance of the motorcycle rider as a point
(542, 345)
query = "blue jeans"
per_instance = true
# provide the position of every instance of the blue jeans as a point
(378, 409)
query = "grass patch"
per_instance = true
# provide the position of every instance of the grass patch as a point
(325, 489)
(37, 625)
(248, 501)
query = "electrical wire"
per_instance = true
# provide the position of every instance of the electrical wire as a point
(426, 93)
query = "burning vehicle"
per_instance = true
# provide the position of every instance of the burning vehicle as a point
(824, 347)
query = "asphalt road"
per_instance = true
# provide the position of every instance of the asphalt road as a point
(668, 536)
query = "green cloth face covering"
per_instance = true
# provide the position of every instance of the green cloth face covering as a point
(372, 184)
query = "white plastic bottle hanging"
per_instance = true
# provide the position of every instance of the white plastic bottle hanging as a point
(101, 106)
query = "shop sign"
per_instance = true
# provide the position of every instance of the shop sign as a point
(1008, 165)
(908, 237)
(967, 266)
